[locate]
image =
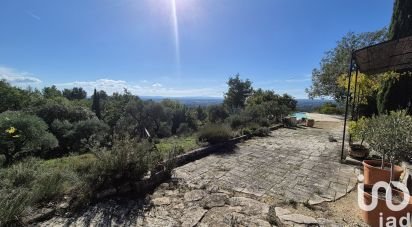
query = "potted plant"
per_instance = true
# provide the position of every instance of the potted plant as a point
(358, 130)
(390, 136)
(382, 214)
(310, 123)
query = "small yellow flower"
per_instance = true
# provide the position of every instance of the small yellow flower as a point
(11, 130)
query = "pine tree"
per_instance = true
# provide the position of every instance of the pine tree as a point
(96, 104)
(401, 24)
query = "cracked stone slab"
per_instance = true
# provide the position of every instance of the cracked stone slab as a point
(194, 195)
(215, 200)
(192, 216)
(284, 217)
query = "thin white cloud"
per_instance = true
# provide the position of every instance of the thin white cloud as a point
(142, 89)
(157, 85)
(15, 77)
(32, 15)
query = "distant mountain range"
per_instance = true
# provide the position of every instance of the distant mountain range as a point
(306, 105)
(189, 101)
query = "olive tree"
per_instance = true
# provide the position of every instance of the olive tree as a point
(391, 136)
(23, 134)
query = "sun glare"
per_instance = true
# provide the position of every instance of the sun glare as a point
(175, 24)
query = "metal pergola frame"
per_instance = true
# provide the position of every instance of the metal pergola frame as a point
(393, 55)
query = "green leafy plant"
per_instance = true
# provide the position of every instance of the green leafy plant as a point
(390, 135)
(262, 131)
(359, 129)
(126, 160)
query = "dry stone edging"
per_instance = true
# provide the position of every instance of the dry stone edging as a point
(285, 217)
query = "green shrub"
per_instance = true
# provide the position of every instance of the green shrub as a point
(79, 136)
(263, 122)
(217, 113)
(62, 110)
(359, 129)
(330, 108)
(22, 134)
(262, 131)
(21, 174)
(214, 133)
(12, 205)
(391, 135)
(236, 121)
(253, 126)
(29, 182)
(247, 131)
(126, 161)
(184, 129)
(165, 130)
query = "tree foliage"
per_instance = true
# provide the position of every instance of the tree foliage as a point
(12, 98)
(366, 86)
(336, 62)
(401, 23)
(217, 113)
(76, 93)
(237, 93)
(395, 92)
(96, 105)
(390, 135)
(23, 134)
(266, 104)
(51, 92)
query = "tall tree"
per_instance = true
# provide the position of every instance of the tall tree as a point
(237, 93)
(12, 98)
(401, 23)
(75, 93)
(336, 62)
(96, 104)
(51, 92)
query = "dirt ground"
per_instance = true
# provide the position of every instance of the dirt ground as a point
(344, 210)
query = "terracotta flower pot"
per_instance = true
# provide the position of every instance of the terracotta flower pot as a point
(358, 151)
(379, 216)
(373, 173)
(310, 123)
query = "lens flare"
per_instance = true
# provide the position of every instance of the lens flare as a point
(176, 34)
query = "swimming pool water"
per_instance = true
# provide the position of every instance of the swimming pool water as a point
(300, 115)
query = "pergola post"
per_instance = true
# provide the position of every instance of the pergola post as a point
(354, 94)
(347, 106)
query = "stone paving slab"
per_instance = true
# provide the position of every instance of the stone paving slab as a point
(293, 164)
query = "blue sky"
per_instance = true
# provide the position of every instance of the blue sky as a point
(153, 48)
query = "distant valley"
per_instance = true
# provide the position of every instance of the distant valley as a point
(305, 105)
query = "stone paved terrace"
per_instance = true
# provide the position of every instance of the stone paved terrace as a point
(243, 187)
(299, 164)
